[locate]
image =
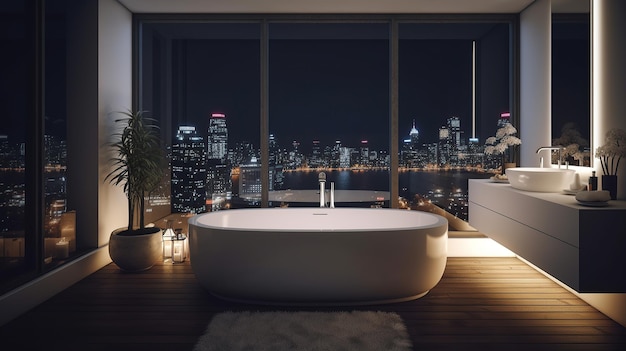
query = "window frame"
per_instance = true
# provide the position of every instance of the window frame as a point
(393, 20)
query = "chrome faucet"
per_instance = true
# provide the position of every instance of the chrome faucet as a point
(322, 180)
(558, 148)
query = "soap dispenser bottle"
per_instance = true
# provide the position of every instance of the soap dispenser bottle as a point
(593, 181)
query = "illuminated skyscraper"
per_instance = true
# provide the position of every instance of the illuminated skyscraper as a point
(218, 181)
(188, 172)
(505, 118)
(275, 156)
(219, 185)
(443, 154)
(275, 163)
(450, 142)
(316, 155)
(411, 150)
(364, 154)
(414, 135)
(454, 128)
(345, 154)
(217, 140)
(250, 180)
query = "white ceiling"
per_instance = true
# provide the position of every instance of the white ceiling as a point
(346, 6)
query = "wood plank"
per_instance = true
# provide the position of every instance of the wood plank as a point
(480, 303)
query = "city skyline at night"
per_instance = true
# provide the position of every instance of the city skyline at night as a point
(346, 92)
(327, 82)
(234, 179)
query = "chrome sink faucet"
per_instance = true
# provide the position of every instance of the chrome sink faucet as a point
(558, 148)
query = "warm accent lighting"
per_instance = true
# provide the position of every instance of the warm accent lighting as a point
(178, 249)
(168, 234)
(174, 244)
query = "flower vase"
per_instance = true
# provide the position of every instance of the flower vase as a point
(609, 182)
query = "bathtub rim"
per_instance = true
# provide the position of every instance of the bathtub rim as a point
(439, 221)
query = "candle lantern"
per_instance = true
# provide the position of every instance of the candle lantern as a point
(179, 253)
(174, 245)
(168, 236)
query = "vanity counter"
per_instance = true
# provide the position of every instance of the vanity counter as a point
(582, 246)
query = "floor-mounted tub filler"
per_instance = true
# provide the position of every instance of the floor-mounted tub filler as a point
(318, 256)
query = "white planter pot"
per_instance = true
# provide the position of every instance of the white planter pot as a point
(135, 253)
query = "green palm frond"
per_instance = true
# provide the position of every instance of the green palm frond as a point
(138, 161)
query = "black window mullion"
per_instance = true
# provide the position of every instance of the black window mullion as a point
(34, 149)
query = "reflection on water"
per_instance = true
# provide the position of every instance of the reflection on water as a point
(344, 180)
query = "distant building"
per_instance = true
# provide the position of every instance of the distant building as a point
(505, 118)
(364, 154)
(275, 154)
(250, 182)
(414, 136)
(474, 154)
(189, 173)
(450, 142)
(411, 149)
(454, 128)
(316, 155)
(345, 157)
(218, 181)
(217, 137)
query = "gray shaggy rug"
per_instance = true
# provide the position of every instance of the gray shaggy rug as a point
(295, 331)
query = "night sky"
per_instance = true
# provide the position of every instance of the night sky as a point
(330, 89)
(320, 88)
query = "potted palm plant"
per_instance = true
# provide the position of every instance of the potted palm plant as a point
(137, 167)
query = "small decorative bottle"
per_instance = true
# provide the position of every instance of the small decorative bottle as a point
(593, 181)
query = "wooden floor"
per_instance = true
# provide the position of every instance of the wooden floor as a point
(480, 304)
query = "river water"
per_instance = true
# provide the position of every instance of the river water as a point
(410, 182)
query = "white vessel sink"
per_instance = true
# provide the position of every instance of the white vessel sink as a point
(549, 180)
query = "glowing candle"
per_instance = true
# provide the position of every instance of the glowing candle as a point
(62, 249)
(168, 236)
(178, 251)
(167, 248)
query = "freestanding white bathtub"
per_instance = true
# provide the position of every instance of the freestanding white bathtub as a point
(318, 256)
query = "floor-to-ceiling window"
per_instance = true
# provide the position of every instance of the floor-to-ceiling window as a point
(454, 87)
(59, 220)
(571, 75)
(14, 93)
(324, 86)
(201, 81)
(329, 113)
(37, 225)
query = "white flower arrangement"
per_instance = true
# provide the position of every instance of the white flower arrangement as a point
(576, 147)
(612, 151)
(499, 144)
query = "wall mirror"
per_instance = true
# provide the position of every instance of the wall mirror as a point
(571, 79)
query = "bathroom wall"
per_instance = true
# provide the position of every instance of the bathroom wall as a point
(535, 82)
(608, 76)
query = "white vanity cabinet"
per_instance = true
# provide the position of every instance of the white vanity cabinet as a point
(583, 247)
